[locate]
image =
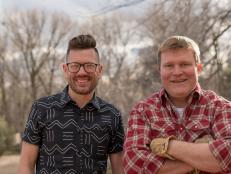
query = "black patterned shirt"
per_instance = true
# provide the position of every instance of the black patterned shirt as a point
(73, 140)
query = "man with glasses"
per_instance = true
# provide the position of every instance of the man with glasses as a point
(74, 132)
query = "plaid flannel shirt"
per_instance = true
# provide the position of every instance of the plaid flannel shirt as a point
(205, 114)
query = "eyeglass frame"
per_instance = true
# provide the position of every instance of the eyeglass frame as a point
(82, 65)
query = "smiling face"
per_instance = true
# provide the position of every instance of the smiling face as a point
(81, 82)
(179, 74)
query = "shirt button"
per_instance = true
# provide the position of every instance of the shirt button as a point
(181, 128)
(195, 127)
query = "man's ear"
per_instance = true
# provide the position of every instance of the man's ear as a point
(199, 67)
(100, 70)
(65, 70)
(156, 68)
(64, 67)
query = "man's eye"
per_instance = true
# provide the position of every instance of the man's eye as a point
(186, 64)
(89, 65)
(74, 66)
(168, 65)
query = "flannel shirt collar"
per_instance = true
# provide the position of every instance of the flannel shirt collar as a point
(194, 95)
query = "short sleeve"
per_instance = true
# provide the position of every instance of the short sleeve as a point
(32, 132)
(117, 137)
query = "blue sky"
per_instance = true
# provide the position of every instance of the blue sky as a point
(76, 8)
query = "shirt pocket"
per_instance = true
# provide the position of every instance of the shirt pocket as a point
(198, 128)
(162, 129)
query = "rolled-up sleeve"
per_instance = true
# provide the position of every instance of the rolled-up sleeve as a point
(221, 147)
(137, 155)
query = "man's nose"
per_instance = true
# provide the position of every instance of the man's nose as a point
(177, 70)
(82, 70)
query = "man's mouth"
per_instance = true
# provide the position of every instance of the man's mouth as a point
(178, 81)
(82, 80)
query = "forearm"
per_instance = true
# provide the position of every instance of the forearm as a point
(175, 167)
(197, 155)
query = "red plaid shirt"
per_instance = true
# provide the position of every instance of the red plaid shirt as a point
(205, 114)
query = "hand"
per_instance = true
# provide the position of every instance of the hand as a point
(204, 139)
(159, 146)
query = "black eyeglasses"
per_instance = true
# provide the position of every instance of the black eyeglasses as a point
(74, 67)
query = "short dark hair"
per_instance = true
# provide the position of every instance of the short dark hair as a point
(177, 42)
(82, 42)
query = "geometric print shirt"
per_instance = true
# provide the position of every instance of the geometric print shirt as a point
(73, 140)
(205, 114)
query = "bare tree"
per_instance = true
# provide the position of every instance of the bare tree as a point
(225, 80)
(207, 22)
(4, 109)
(114, 40)
(35, 51)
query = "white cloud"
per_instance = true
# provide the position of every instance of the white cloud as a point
(76, 8)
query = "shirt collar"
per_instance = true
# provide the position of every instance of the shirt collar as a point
(95, 101)
(66, 99)
(195, 94)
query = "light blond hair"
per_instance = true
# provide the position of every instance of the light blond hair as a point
(179, 42)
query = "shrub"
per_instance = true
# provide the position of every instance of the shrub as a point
(6, 136)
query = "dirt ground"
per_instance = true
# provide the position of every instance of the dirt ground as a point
(9, 164)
